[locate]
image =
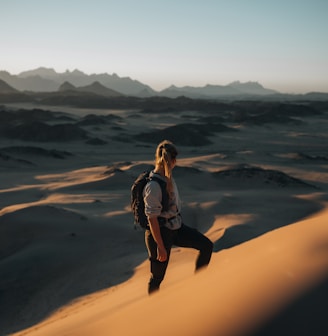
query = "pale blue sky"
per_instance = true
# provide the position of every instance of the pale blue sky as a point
(283, 44)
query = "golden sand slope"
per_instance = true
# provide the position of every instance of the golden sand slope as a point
(241, 290)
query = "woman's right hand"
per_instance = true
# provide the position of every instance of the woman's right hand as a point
(161, 254)
(156, 233)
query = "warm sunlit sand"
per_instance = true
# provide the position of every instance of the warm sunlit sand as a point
(72, 264)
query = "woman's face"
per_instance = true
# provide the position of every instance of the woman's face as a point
(173, 162)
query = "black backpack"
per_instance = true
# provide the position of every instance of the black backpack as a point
(137, 202)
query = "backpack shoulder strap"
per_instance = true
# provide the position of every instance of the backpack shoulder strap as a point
(165, 196)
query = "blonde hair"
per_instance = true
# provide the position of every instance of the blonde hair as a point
(165, 153)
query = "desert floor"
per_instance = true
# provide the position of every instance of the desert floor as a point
(71, 262)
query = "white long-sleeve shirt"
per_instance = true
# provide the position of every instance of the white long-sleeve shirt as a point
(153, 202)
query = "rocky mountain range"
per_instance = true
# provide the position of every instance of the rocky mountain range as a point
(95, 88)
(48, 80)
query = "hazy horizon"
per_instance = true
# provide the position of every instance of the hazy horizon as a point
(282, 44)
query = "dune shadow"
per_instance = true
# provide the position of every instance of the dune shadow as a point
(306, 315)
(50, 257)
(286, 210)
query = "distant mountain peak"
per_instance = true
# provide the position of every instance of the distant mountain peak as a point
(97, 84)
(41, 72)
(77, 72)
(251, 88)
(95, 87)
(6, 88)
(249, 83)
(67, 86)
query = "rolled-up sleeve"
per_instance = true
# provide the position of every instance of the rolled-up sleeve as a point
(152, 198)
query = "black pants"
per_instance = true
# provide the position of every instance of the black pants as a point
(183, 237)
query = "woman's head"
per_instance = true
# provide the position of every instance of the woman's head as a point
(166, 154)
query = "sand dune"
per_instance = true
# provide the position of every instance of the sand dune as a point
(237, 295)
(71, 262)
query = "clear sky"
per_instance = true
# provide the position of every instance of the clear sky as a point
(283, 44)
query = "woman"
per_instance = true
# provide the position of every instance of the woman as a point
(165, 223)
